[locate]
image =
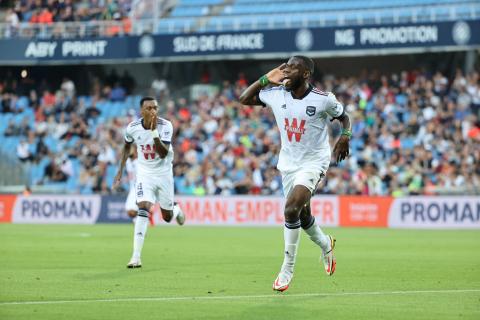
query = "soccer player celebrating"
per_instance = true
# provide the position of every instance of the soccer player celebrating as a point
(302, 113)
(154, 176)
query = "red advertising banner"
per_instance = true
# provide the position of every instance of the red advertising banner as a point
(6, 207)
(248, 210)
(357, 211)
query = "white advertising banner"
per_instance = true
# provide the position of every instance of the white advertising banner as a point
(65, 209)
(249, 210)
(435, 213)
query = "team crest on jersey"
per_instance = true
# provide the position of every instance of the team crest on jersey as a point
(311, 110)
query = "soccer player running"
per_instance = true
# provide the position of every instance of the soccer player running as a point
(154, 176)
(302, 113)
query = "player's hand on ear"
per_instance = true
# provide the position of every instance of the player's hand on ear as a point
(275, 76)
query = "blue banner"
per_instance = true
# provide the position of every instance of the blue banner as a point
(316, 41)
(113, 210)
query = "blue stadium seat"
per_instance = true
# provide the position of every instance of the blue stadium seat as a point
(51, 143)
(110, 174)
(244, 14)
(189, 11)
(407, 143)
(175, 25)
(72, 185)
(22, 103)
(58, 187)
(199, 2)
(73, 140)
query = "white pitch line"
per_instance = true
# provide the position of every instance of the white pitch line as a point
(268, 296)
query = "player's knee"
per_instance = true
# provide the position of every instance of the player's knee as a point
(167, 215)
(292, 213)
(145, 205)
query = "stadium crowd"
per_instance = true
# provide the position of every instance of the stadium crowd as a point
(48, 11)
(36, 17)
(413, 133)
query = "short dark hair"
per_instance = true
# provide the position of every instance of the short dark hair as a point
(147, 98)
(307, 62)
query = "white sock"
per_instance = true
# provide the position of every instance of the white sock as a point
(176, 211)
(141, 225)
(291, 235)
(316, 235)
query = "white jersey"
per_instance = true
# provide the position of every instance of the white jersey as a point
(148, 161)
(131, 167)
(303, 125)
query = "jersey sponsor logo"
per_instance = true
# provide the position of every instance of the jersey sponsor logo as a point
(311, 110)
(294, 129)
(148, 151)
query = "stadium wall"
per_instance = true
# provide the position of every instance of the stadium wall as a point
(332, 211)
(261, 44)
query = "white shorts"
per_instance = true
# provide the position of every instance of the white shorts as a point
(131, 203)
(157, 189)
(308, 178)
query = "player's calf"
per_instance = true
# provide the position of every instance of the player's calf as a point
(176, 213)
(167, 215)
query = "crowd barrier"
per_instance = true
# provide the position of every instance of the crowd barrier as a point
(332, 211)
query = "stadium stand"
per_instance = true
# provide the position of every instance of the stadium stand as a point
(406, 129)
(113, 18)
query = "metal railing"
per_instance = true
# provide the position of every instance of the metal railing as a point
(59, 30)
(12, 171)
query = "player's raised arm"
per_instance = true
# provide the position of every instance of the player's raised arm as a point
(274, 77)
(160, 147)
(125, 153)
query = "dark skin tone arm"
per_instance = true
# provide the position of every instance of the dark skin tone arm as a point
(341, 148)
(125, 153)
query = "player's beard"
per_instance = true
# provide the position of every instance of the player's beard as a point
(292, 84)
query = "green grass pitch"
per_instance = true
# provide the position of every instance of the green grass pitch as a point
(78, 272)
